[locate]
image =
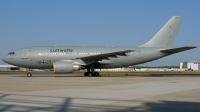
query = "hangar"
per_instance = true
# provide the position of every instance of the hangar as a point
(193, 65)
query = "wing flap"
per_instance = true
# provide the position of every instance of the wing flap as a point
(176, 50)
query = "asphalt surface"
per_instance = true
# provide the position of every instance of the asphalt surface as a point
(75, 93)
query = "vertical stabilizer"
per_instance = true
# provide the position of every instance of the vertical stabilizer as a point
(166, 35)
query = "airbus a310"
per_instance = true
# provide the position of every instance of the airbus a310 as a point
(66, 59)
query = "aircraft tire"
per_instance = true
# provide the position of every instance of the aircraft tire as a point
(86, 74)
(90, 74)
(96, 74)
(29, 74)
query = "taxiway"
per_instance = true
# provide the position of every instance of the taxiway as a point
(53, 93)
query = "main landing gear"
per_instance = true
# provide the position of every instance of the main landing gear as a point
(92, 73)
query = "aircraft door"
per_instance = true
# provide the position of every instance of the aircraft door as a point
(27, 58)
(25, 54)
(140, 53)
(74, 54)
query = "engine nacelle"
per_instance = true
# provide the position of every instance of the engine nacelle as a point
(62, 67)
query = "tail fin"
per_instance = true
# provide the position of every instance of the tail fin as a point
(166, 35)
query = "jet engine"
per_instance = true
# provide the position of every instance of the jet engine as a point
(62, 67)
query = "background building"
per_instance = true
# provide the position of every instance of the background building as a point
(190, 65)
(10, 68)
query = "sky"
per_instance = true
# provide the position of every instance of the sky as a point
(25, 23)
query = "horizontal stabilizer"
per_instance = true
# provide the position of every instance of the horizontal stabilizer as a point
(176, 50)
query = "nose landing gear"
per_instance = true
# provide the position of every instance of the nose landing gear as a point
(29, 74)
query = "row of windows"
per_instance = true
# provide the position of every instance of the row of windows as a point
(13, 53)
(77, 53)
(52, 53)
(67, 53)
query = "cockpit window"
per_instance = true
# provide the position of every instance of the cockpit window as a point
(11, 53)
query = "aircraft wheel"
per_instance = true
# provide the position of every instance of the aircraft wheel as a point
(86, 74)
(96, 74)
(91, 74)
(29, 74)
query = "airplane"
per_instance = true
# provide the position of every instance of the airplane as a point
(66, 59)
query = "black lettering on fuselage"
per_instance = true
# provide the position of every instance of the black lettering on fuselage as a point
(44, 62)
(61, 50)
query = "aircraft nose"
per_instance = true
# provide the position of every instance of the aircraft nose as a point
(5, 59)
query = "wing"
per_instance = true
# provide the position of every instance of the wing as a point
(106, 55)
(86, 60)
(176, 50)
(89, 59)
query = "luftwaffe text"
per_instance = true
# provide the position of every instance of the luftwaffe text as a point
(61, 50)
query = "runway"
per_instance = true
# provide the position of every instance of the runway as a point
(52, 93)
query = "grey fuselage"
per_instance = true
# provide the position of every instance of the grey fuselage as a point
(43, 57)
